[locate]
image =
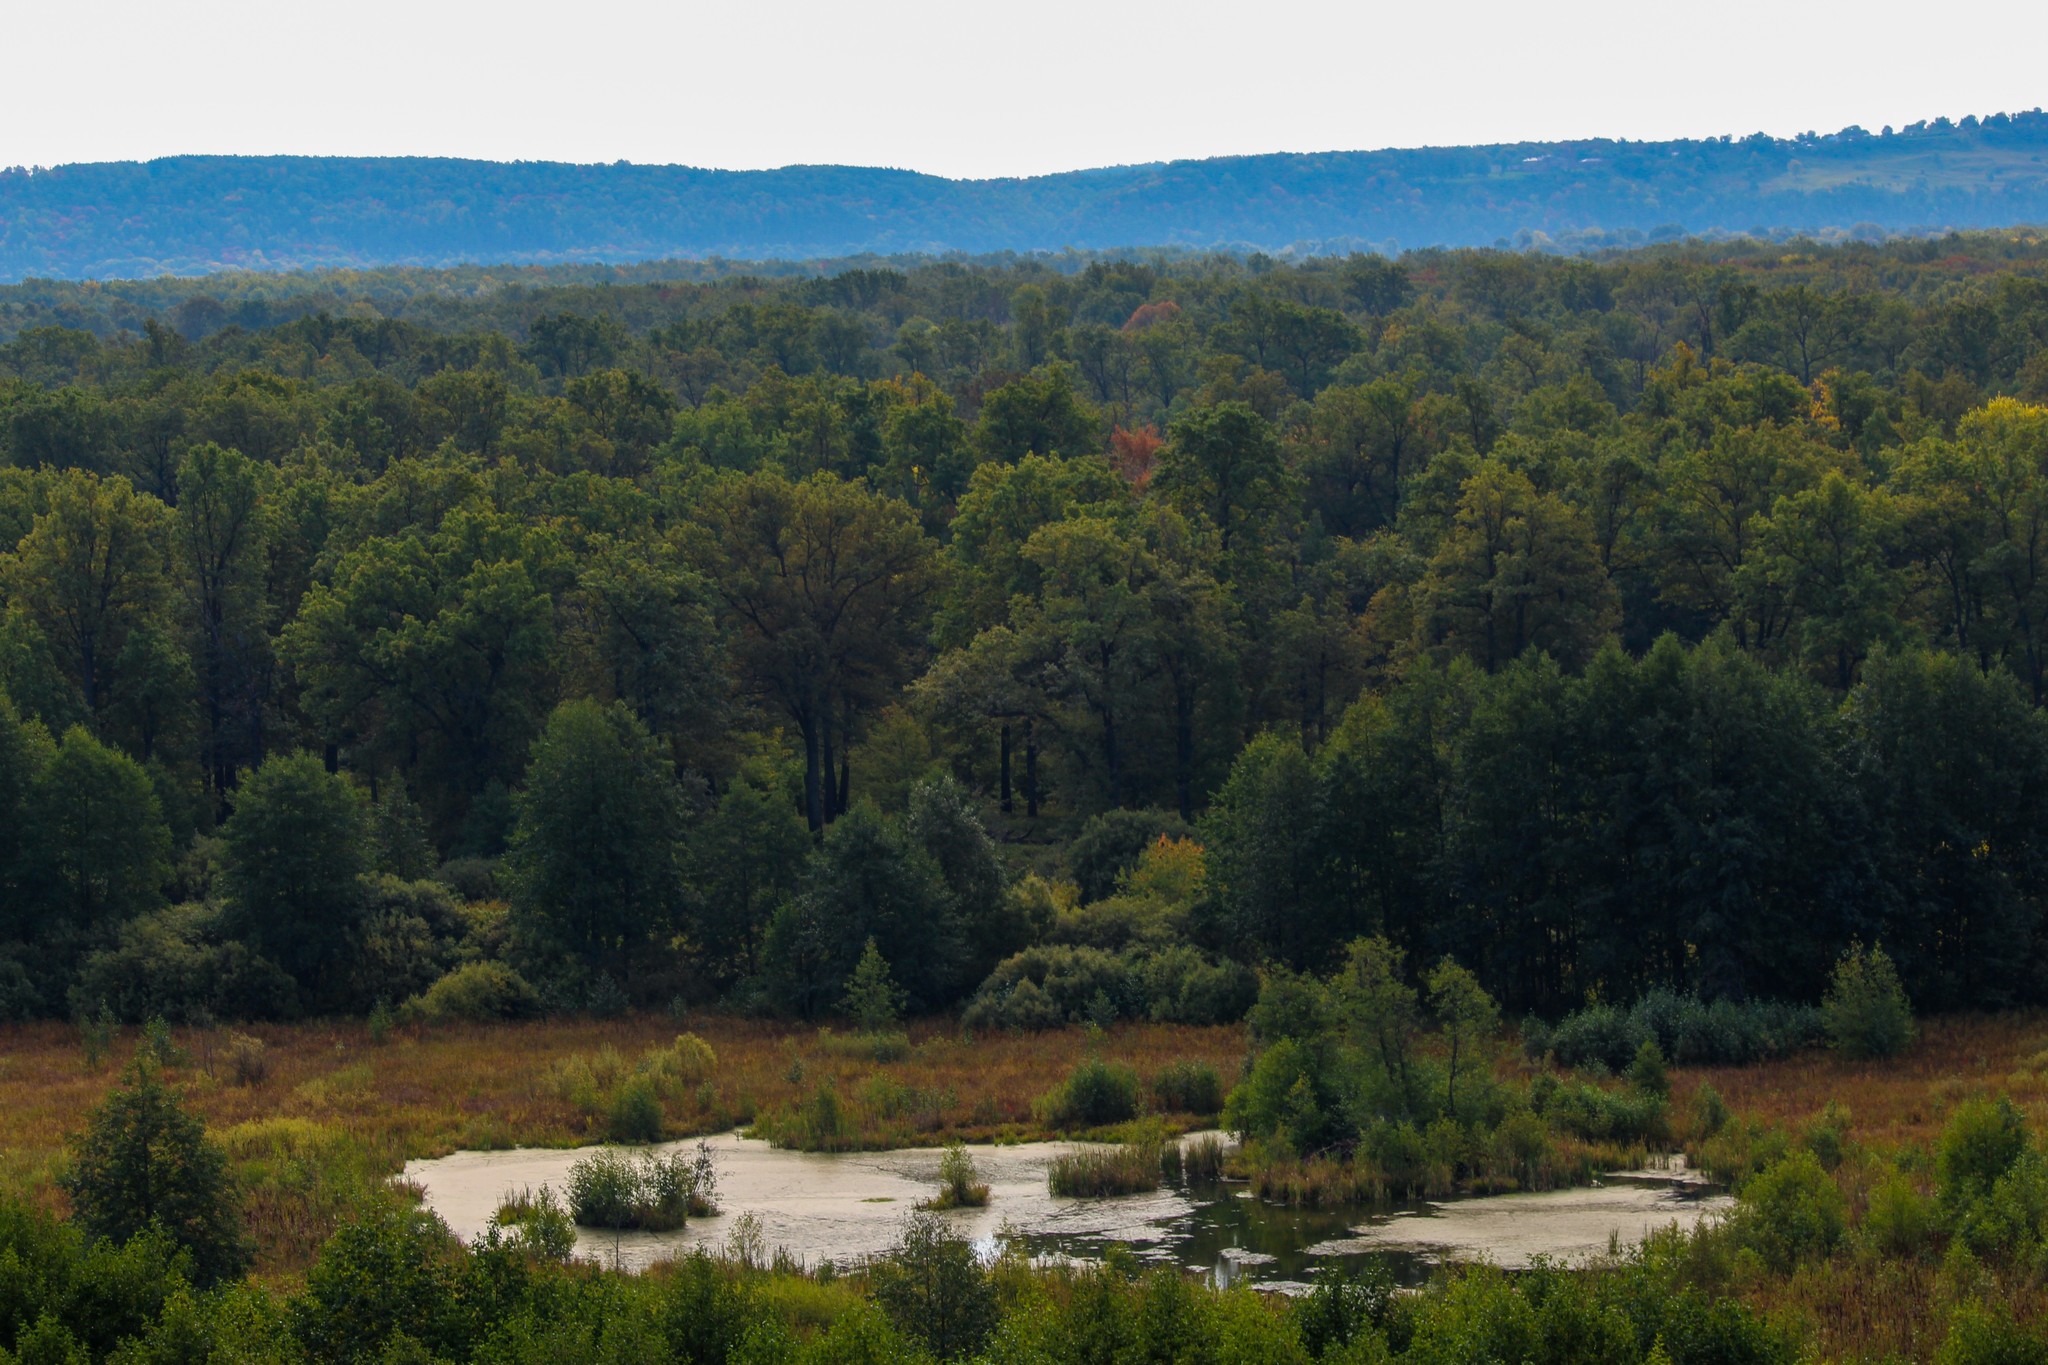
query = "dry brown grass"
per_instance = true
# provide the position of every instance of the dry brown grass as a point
(430, 1091)
(1900, 1100)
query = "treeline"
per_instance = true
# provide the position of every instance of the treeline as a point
(1669, 620)
(188, 215)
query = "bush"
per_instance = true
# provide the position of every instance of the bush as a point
(1685, 1030)
(1980, 1335)
(144, 1161)
(175, 965)
(1866, 1012)
(1097, 1093)
(476, 992)
(1589, 1112)
(650, 1192)
(1899, 1220)
(635, 1113)
(1984, 1139)
(1063, 982)
(1792, 1212)
(1188, 1088)
(1646, 1072)
(247, 1059)
(1598, 1035)
(1181, 985)
(960, 1184)
(681, 1066)
(936, 1290)
(1097, 1172)
(1111, 843)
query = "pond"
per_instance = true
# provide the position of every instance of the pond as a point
(845, 1206)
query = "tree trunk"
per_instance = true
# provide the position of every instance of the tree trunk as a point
(1006, 768)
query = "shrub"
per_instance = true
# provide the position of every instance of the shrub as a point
(1181, 985)
(1646, 1072)
(1978, 1335)
(1188, 1088)
(536, 1225)
(1599, 1035)
(476, 992)
(680, 1067)
(1063, 981)
(817, 1124)
(960, 1186)
(247, 1059)
(1899, 1220)
(1096, 1172)
(1709, 1112)
(1587, 1111)
(143, 1161)
(1792, 1212)
(1982, 1141)
(891, 1045)
(1685, 1030)
(1097, 1093)
(650, 1192)
(175, 963)
(872, 997)
(1866, 1011)
(635, 1113)
(936, 1291)
(1111, 843)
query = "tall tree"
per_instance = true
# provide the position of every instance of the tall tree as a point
(595, 854)
(826, 586)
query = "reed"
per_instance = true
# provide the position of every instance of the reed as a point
(1101, 1172)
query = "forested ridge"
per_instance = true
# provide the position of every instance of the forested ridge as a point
(1081, 640)
(196, 214)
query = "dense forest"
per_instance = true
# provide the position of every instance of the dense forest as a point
(192, 215)
(1082, 640)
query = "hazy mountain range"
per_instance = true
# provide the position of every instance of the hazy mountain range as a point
(187, 215)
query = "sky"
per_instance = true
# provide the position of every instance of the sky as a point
(970, 90)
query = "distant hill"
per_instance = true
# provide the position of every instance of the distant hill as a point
(190, 215)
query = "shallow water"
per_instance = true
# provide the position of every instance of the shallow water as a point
(845, 1206)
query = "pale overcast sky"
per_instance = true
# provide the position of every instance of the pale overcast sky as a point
(974, 90)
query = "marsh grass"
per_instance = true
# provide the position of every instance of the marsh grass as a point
(1201, 1159)
(1102, 1172)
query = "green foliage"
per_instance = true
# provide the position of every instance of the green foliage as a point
(1646, 1071)
(145, 1163)
(1866, 1011)
(476, 992)
(1792, 1212)
(648, 1191)
(1101, 1172)
(1097, 1094)
(872, 999)
(1188, 1088)
(1110, 843)
(960, 1184)
(593, 860)
(1685, 1030)
(295, 848)
(936, 1291)
(635, 1113)
(391, 1275)
(1899, 1221)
